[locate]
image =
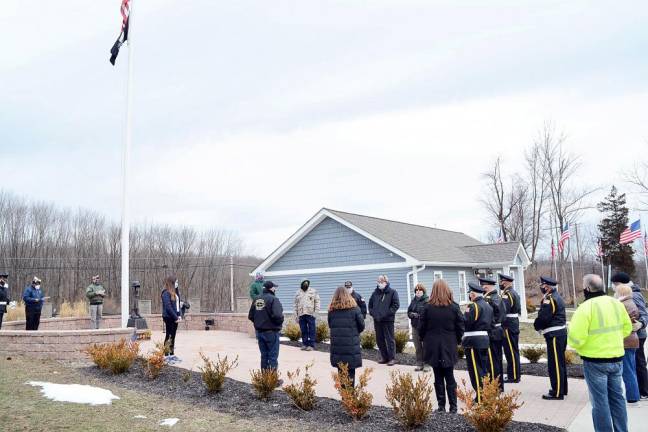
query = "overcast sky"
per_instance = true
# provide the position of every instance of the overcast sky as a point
(252, 115)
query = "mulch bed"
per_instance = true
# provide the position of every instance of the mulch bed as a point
(536, 369)
(238, 398)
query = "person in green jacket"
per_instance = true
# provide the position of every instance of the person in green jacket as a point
(95, 294)
(596, 332)
(256, 288)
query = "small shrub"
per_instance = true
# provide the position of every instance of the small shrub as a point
(530, 306)
(264, 381)
(401, 337)
(321, 332)
(117, 357)
(411, 401)
(368, 340)
(533, 354)
(496, 409)
(76, 309)
(302, 393)
(571, 357)
(292, 331)
(356, 401)
(155, 361)
(186, 376)
(213, 373)
(460, 351)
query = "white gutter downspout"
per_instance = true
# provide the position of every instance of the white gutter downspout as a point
(413, 273)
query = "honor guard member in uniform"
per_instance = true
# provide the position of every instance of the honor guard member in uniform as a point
(478, 319)
(551, 323)
(496, 334)
(511, 326)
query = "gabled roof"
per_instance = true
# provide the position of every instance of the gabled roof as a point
(416, 243)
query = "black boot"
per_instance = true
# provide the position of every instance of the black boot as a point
(440, 395)
(452, 397)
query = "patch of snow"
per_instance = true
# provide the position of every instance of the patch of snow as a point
(75, 393)
(140, 416)
(284, 339)
(169, 422)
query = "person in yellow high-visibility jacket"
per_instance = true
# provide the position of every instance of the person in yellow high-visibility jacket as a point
(596, 332)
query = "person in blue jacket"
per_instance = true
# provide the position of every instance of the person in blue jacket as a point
(171, 314)
(33, 299)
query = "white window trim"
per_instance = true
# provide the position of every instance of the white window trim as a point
(437, 272)
(336, 269)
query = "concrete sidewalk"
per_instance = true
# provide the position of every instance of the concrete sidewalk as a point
(213, 343)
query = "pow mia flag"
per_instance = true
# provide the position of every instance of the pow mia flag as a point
(123, 36)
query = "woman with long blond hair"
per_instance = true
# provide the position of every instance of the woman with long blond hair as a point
(346, 323)
(171, 313)
(441, 327)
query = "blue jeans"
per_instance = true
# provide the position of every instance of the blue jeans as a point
(606, 396)
(269, 347)
(630, 375)
(307, 326)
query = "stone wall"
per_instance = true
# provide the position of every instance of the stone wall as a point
(236, 322)
(56, 344)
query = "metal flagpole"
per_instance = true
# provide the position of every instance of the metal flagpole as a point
(125, 226)
(571, 260)
(232, 283)
(645, 252)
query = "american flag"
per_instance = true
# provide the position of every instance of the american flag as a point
(125, 13)
(564, 237)
(631, 233)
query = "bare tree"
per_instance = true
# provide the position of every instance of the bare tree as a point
(638, 177)
(501, 199)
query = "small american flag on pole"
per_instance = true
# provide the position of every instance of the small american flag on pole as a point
(564, 237)
(631, 233)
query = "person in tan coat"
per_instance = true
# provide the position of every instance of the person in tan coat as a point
(307, 305)
(623, 293)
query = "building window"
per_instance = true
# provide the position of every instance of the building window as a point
(463, 287)
(438, 275)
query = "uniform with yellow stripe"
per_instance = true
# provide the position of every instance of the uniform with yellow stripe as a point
(478, 318)
(551, 322)
(511, 326)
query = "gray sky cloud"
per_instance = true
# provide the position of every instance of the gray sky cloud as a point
(252, 115)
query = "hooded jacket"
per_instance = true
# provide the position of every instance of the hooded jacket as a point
(384, 304)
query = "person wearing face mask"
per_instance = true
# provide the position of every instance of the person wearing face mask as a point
(383, 305)
(33, 299)
(306, 307)
(597, 331)
(171, 315)
(414, 311)
(511, 326)
(623, 293)
(357, 297)
(552, 324)
(4, 295)
(478, 322)
(266, 313)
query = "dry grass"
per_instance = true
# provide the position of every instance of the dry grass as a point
(16, 314)
(76, 309)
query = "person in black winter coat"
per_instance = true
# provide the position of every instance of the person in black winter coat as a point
(266, 313)
(441, 327)
(4, 295)
(413, 312)
(383, 306)
(346, 323)
(170, 313)
(357, 297)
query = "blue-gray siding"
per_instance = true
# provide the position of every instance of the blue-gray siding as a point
(451, 276)
(364, 282)
(331, 244)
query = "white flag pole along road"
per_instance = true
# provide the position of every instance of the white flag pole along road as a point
(125, 226)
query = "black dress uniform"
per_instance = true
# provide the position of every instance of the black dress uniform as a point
(551, 322)
(511, 326)
(496, 334)
(478, 321)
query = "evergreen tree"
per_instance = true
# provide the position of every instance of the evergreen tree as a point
(615, 220)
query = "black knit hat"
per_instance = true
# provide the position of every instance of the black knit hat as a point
(621, 277)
